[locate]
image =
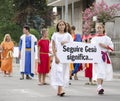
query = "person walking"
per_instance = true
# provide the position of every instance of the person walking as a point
(60, 71)
(7, 55)
(68, 28)
(88, 68)
(27, 53)
(102, 70)
(43, 57)
(77, 66)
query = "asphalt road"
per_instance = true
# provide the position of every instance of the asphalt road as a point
(13, 89)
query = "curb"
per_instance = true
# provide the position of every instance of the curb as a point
(116, 75)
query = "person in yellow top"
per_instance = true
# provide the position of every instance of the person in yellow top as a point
(7, 55)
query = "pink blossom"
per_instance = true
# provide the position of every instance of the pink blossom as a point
(103, 12)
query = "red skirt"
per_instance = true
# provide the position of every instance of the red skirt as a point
(88, 71)
(44, 65)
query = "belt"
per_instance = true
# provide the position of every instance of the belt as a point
(28, 49)
(43, 53)
(105, 57)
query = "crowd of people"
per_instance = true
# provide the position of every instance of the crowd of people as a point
(41, 57)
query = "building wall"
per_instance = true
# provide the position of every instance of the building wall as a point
(77, 16)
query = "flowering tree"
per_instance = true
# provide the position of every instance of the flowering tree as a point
(102, 11)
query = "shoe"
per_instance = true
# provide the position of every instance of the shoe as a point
(70, 78)
(61, 94)
(75, 78)
(21, 78)
(28, 78)
(45, 83)
(101, 91)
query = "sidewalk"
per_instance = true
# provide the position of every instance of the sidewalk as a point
(116, 75)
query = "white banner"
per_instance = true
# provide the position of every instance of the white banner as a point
(79, 52)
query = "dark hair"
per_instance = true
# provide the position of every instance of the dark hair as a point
(73, 28)
(57, 29)
(26, 27)
(68, 28)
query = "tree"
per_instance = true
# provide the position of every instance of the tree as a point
(35, 13)
(14, 30)
(6, 24)
(6, 11)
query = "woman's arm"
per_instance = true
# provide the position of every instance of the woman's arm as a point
(38, 53)
(54, 52)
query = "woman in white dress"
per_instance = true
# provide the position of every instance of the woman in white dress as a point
(102, 70)
(59, 71)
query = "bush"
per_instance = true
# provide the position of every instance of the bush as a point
(12, 29)
(51, 30)
(35, 32)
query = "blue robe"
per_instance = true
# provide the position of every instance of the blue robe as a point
(27, 68)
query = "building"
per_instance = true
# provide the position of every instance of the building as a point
(71, 10)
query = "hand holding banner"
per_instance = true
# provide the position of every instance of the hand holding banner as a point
(78, 52)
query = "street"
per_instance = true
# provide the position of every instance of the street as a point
(14, 89)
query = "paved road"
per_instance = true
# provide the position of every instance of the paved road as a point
(13, 89)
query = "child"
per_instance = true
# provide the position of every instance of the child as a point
(88, 68)
(103, 69)
(77, 66)
(43, 57)
(60, 71)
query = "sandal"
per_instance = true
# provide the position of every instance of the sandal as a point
(28, 78)
(45, 84)
(75, 78)
(61, 94)
(21, 78)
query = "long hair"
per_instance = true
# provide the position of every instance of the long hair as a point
(7, 35)
(68, 28)
(57, 29)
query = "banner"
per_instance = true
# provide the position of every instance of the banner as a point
(79, 52)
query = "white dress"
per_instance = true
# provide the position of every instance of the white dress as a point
(103, 70)
(60, 72)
